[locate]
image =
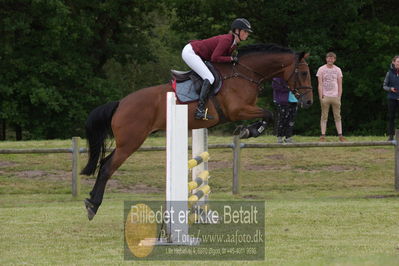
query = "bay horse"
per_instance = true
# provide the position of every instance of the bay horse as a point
(142, 112)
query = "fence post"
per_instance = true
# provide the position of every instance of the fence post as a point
(75, 167)
(397, 160)
(236, 164)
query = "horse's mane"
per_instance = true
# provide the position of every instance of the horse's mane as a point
(270, 48)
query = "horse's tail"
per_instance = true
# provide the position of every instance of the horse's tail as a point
(98, 126)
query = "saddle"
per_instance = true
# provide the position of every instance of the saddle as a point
(187, 84)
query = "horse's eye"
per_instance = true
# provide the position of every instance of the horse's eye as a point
(304, 74)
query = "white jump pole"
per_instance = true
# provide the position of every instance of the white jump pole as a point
(176, 174)
(176, 168)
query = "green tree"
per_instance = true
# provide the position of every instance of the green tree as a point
(53, 54)
(166, 46)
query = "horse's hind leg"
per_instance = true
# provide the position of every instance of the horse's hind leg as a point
(108, 166)
(96, 194)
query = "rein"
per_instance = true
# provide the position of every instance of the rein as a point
(295, 73)
(236, 74)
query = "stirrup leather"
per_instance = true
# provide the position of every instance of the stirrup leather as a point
(206, 114)
(202, 114)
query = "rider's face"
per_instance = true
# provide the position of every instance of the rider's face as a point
(244, 34)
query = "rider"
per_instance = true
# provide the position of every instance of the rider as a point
(215, 49)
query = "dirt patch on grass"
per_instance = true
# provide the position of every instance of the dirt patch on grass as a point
(118, 186)
(31, 174)
(7, 164)
(258, 167)
(112, 184)
(331, 168)
(382, 196)
(380, 150)
(342, 168)
(278, 157)
(306, 170)
(37, 174)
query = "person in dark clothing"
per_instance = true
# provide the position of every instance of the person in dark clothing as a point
(215, 49)
(287, 107)
(391, 85)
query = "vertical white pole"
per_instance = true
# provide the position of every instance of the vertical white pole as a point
(176, 168)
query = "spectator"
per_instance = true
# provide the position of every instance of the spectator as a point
(287, 107)
(391, 85)
(330, 91)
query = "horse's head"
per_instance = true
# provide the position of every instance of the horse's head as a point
(260, 62)
(299, 82)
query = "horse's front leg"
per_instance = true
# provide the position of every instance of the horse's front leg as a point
(256, 129)
(252, 112)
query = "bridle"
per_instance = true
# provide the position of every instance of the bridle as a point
(295, 74)
(296, 89)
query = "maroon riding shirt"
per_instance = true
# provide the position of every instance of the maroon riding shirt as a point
(215, 49)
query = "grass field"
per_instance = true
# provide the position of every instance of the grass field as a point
(324, 206)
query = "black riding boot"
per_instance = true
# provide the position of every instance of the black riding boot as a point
(202, 112)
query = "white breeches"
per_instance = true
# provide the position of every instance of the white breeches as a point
(195, 63)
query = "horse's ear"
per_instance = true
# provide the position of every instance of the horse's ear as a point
(303, 55)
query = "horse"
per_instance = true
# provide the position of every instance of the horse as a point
(132, 119)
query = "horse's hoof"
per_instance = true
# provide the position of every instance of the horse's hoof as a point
(90, 214)
(238, 130)
(90, 209)
(244, 134)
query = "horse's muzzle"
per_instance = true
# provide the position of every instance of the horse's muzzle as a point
(306, 104)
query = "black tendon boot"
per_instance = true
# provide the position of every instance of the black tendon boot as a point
(254, 130)
(202, 112)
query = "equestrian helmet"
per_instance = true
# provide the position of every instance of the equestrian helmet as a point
(242, 24)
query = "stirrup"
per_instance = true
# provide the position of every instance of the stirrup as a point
(202, 114)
